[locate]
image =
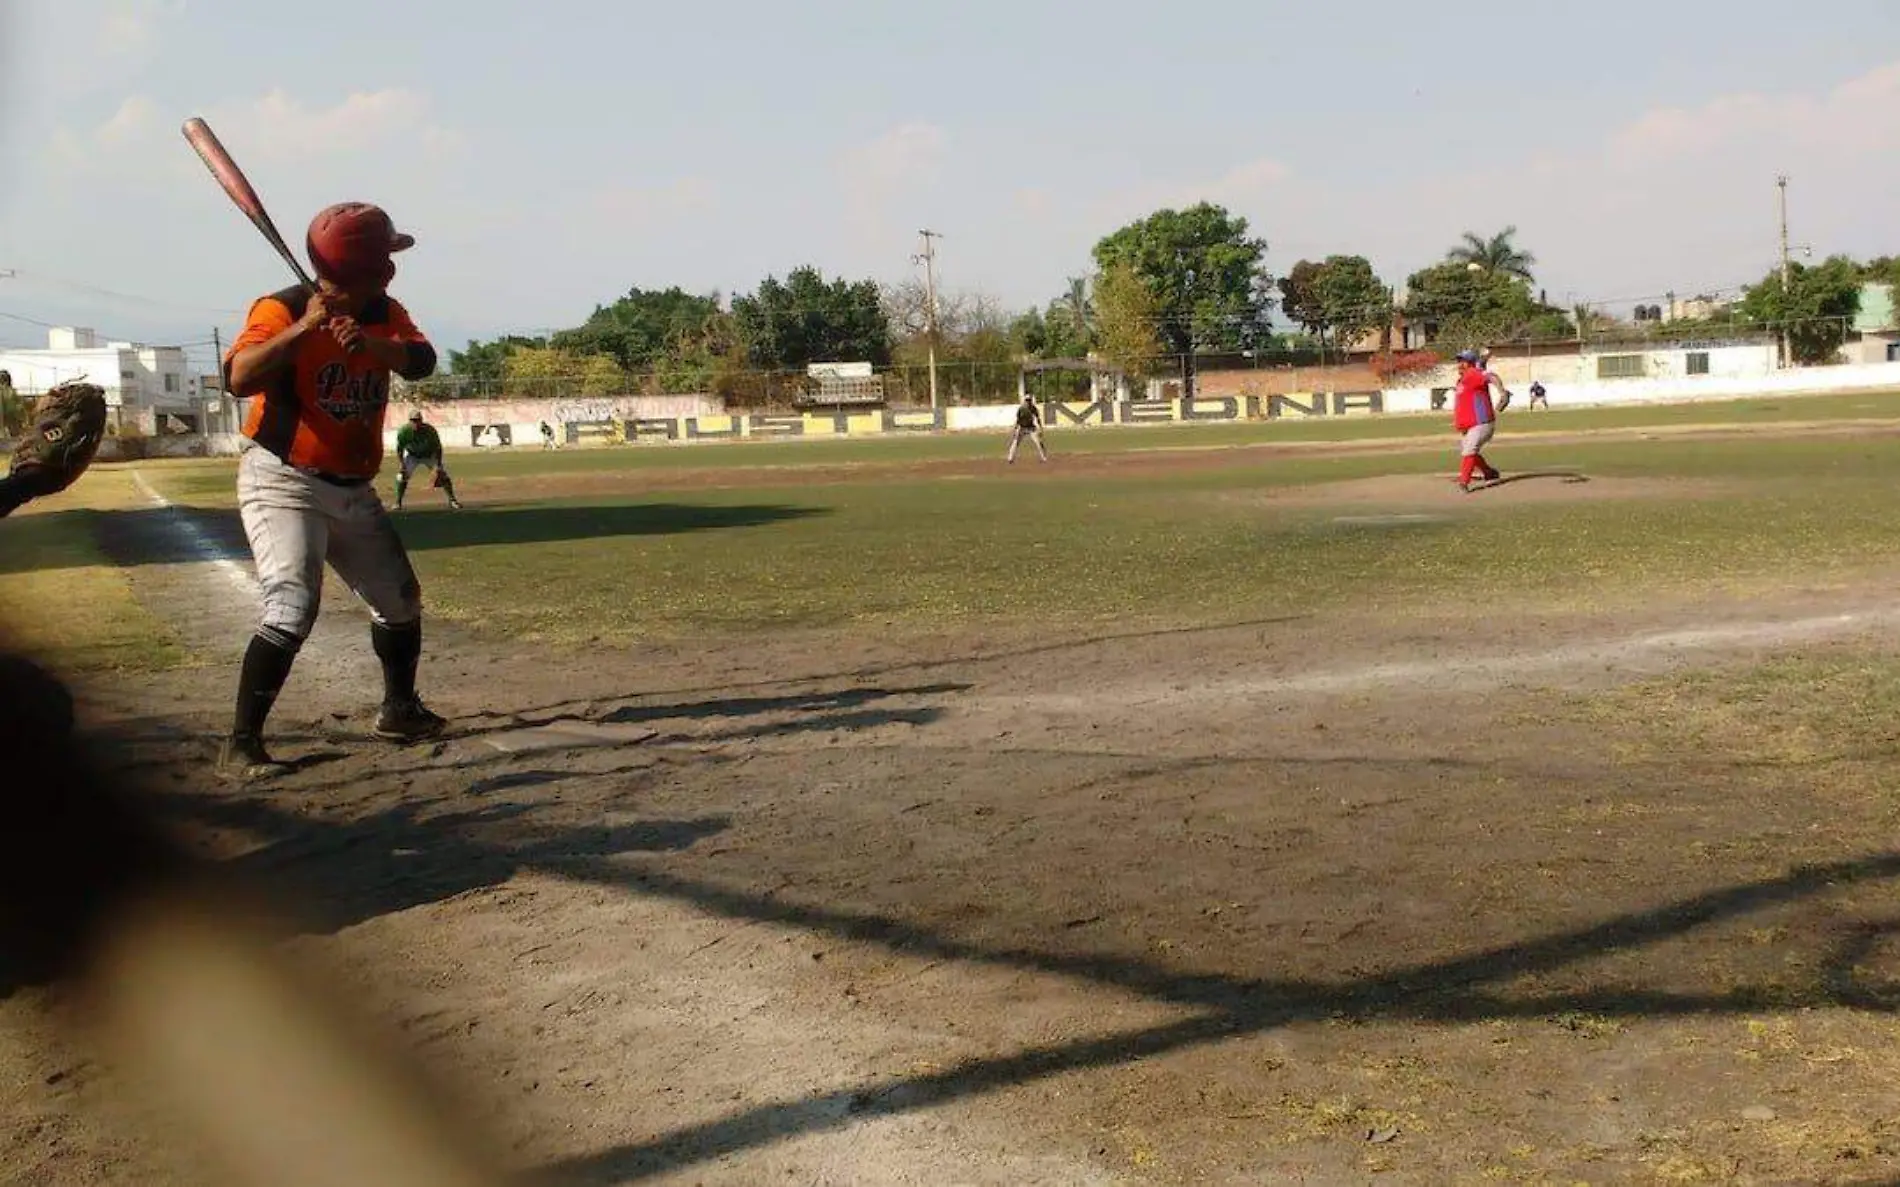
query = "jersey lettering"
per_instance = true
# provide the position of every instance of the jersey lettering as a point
(325, 410)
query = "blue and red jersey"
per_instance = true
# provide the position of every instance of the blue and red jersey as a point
(1471, 406)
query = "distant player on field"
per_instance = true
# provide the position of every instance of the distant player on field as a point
(1028, 423)
(1538, 396)
(418, 444)
(1474, 418)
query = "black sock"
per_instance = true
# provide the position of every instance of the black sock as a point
(448, 488)
(267, 664)
(400, 649)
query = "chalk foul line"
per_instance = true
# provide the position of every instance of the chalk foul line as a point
(1457, 667)
(208, 550)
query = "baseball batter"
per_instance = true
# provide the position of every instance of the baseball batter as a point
(418, 444)
(315, 370)
(1474, 418)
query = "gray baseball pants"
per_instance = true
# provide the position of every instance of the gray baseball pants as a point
(296, 522)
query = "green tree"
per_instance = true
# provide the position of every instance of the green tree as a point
(1065, 330)
(1499, 253)
(1462, 306)
(602, 375)
(807, 319)
(1029, 334)
(1299, 297)
(1203, 271)
(1127, 317)
(1883, 270)
(639, 327)
(1352, 301)
(545, 371)
(1076, 312)
(696, 361)
(1814, 310)
(483, 361)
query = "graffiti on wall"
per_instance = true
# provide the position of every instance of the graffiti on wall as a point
(604, 425)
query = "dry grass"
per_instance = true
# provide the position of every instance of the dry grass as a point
(63, 600)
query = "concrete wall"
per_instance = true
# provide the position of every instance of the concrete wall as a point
(1516, 366)
(690, 419)
(1880, 347)
(479, 424)
(1794, 381)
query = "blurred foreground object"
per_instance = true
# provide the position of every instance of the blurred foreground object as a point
(186, 989)
(62, 435)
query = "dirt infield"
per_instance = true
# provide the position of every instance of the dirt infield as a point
(1299, 898)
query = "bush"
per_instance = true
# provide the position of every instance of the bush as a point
(1389, 365)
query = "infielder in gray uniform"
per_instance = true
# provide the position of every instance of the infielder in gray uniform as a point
(315, 369)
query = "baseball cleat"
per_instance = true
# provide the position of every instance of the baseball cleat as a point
(408, 721)
(243, 759)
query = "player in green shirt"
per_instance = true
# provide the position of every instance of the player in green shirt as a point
(418, 444)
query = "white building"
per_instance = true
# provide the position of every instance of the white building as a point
(1746, 357)
(149, 389)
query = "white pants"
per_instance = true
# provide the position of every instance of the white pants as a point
(1476, 438)
(296, 522)
(411, 463)
(1016, 436)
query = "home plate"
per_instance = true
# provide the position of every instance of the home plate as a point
(567, 735)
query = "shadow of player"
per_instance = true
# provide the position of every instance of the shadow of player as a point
(1568, 477)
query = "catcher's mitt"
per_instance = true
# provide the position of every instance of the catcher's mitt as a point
(64, 433)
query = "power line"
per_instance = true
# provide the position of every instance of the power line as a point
(38, 278)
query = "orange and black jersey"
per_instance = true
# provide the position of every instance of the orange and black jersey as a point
(324, 411)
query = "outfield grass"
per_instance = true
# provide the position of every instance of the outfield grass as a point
(1208, 544)
(63, 600)
(209, 483)
(894, 550)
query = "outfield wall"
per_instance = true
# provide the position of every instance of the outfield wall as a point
(647, 420)
(479, 424)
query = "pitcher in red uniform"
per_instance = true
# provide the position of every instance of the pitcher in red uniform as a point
(1474, 418)
(315, 369)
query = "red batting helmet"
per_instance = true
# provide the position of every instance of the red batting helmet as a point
(352, 242)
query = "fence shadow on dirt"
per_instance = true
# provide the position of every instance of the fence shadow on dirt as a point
(177, 535)
(822, 711)
(1461, 988)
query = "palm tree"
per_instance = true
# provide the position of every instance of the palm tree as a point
(1080, 309)
(1496, 254)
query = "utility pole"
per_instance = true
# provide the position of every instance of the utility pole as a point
(929, 260)
(1781, 187)
(217, 361)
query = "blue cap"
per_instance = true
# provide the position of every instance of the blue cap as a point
(1467, 356)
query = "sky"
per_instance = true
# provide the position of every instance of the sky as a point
(550, 156)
